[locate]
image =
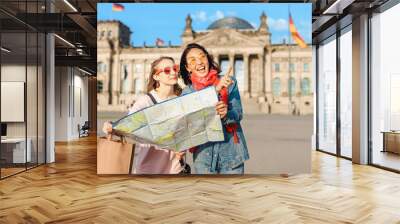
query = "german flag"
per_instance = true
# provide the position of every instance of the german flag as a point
(295, 34)
(117, 7)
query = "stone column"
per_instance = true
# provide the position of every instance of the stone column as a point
(246, 74)
(261, 78)
(132, 77)
(144, 74)
(115, 76)
(110, 79)
(268, 75)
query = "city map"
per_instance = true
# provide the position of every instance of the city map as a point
(177, 124)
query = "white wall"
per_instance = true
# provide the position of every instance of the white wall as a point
(71, 93)
(12, 73)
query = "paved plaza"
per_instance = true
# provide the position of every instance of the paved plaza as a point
(277, 143)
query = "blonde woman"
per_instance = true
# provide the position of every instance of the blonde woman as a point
(162, 86)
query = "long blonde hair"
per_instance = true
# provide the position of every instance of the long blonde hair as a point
(154, 84)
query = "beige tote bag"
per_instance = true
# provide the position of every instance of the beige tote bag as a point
(114, 156)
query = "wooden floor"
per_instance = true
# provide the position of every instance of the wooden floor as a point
(69, 191)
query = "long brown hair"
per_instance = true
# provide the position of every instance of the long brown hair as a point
(153, 84)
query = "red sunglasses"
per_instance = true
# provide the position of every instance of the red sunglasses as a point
(167, 70)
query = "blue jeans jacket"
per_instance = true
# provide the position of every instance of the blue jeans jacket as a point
(225, 157)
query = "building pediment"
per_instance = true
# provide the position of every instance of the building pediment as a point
(227, 38)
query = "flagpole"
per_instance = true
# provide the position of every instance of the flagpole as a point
(290, 72)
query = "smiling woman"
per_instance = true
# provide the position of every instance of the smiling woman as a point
(227, 157)
(162, 86)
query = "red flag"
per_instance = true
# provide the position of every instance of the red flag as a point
(159, 42)
(295, 34)
(117, 7)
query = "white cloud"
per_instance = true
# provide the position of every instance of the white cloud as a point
(278, 24)
(200, 16)
(218, 15)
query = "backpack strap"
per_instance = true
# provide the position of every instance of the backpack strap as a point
(152, 98)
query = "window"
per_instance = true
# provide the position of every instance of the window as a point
(139, 84)
(276, 86)
(224, 66)
(276, 67)
(292, 86)
(327, 96)
(109, 34)
(385, 88)
(305, 67)
(102, 34)
(99, 86)
(138, 68)
(239, 74)
(125, 80)
(305, 86)
(346, 94)
(23, 89)
(292, 67)
(101, 67)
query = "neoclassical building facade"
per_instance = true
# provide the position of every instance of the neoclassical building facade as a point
(269, 80)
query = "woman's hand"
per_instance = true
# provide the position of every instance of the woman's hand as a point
(222, 109)
(107, 127)
(226, 80)
(179, 155)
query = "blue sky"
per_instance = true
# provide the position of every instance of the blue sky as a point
(150, 21)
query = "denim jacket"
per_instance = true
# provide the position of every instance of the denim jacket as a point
(229, 153)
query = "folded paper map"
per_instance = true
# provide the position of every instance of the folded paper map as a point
(177, 124)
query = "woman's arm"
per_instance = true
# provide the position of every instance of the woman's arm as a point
(142, 102)
(235, 111)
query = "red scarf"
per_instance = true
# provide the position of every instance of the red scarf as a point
(211, 78)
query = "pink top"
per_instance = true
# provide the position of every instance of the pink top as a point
(150, 159)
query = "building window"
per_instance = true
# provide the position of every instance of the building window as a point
(139, 84)
(99, 86)
(109, 34)
(276, 87)
(102, 34)
(277, 67)
(138, 68)
(292, 86)
(239, 74)
(125, 81)
(224, 66)
(101, 67)
(292, 67)
(305, 67)
(305, 86)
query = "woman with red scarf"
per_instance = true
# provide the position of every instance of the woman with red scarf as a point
(199, 71)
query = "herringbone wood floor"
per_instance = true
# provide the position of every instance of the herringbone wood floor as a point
(69, 191)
